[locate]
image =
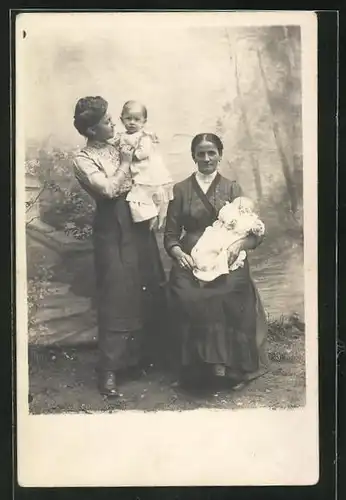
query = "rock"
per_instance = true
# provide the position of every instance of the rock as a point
(56, 239)
(64, 308)
(66, 301)
(86, 337)
(71, 330)
(41, 226)
(57, 289)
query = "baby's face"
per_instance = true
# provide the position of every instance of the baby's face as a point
(228, 215)
(244, 205)
(230, 224)
(133, 120)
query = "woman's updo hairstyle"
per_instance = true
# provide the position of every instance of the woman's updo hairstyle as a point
(208, 138)
(88, 113)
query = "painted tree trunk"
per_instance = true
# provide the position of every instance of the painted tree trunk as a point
(291, 188)
(253, 159)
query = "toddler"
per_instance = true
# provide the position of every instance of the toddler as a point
(235, 221)
(152, 184)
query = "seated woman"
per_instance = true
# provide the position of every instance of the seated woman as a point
(221, 323)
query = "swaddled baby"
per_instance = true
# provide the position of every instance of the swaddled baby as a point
(235, 221)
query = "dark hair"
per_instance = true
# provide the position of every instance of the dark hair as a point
(206, 137)
(88, 112)
(128, 105)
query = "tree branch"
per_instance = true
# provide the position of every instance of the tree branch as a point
(32, 202)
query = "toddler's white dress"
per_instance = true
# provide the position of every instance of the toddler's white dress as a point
(152, 183)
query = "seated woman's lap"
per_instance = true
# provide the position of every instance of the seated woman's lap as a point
(230, 299)
(187, 287)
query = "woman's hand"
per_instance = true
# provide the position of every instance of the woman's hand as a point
(184, 260)
(233, 251)
(126, 154)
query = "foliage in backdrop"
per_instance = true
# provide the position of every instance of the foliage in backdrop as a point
(63, 205)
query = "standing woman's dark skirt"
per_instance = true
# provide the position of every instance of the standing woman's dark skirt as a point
(129, 279)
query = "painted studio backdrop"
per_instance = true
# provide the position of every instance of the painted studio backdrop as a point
(241, 83)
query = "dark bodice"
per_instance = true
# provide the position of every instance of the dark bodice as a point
(191, 211)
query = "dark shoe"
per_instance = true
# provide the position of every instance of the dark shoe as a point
(107, 384)
(192, 380)
(240, 386)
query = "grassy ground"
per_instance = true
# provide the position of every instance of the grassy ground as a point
(64, 380)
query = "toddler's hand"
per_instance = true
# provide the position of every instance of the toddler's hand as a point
(126, 154)
(128, 140)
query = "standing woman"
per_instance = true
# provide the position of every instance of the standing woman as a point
(128, 268)
(222, 324)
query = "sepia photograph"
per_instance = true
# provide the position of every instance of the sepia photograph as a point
(166, 174)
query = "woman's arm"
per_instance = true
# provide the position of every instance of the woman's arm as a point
(96, 181)
(251, 241)
(173, 228)
(173, 232)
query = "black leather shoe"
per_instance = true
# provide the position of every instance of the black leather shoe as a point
(107, 384)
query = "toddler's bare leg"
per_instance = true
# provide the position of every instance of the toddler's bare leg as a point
(153, 223)
(162, 211)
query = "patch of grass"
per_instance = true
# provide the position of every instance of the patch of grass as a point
(285, 327)
(286, 340)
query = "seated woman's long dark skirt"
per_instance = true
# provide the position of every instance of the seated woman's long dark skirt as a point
(221, 322)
